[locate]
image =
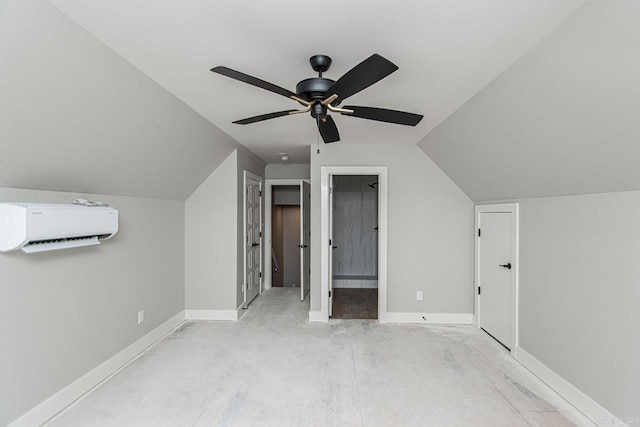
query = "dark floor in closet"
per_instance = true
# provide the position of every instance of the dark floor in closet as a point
(355, 303)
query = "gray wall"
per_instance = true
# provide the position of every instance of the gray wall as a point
(430, 228)
(215, 235)
(285, 195)
(355, 215)
(211, 218)
(580, 290)
(287, 171)
(562, 120)
(277, 277)
(75, 116)
(63, 313)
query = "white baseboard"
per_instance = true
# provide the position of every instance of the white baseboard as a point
(71, 393)
(316, 316)
(568, 391)
(213, 314)
(430, 318)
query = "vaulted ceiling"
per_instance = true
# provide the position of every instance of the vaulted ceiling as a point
(446, 51)
(75, 116)
(562, 120)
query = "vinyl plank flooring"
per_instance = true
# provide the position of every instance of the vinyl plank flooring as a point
(355, 303)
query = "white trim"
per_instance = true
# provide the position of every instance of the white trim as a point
(268, 190)
(431, 318)
(316, 316)
(512, 208)
(381, 172)
(74, 392)
(583, 403)
(214, 314)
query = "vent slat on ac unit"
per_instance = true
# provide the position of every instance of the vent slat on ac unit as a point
(52, 245)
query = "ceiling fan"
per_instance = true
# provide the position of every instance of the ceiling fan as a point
(319, 95)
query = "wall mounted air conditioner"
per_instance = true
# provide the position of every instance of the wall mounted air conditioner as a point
(38, 227)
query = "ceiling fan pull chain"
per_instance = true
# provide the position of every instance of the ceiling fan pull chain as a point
(318, 140)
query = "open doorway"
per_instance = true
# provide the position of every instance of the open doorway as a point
(355, 247)
(374, 174)
(288, 234)
(285, 236)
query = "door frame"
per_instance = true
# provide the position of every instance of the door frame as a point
(512, 208)
(253, 176)
(268, 191)
(325, 252)
(305, 273)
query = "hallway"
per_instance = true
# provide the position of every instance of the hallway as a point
(274, 368)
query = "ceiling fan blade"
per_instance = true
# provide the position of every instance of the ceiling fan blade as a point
(237, 75)
(384, 115)
(363, 75)
(328, 130)
(264, 117)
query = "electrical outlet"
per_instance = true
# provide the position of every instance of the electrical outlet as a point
(419, 296)
(140, 316)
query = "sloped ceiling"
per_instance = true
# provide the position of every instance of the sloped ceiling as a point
(562, 120)
(446, 50)
(75, 116)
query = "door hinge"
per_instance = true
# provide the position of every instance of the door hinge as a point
(261, 274)
(330, 242)
(329, 294)
(260, 193)
(478, 290)
(261, 234)
(479, 232)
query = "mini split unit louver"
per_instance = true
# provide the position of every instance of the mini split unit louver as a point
(39, 227)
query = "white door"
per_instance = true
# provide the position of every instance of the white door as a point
(495, 275)
(305, 239)
(253, 237)
(331, 247)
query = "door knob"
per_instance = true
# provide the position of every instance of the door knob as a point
(255, 244)
(507, 265)
(303, 246)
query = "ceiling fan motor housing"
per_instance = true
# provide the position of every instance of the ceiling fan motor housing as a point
(314, 88)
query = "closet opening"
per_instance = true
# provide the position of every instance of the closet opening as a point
(354, 248)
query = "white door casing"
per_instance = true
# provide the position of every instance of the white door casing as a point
(497, 272)
(326, 174)
(252, 236)
(331, 244)
(305, 239)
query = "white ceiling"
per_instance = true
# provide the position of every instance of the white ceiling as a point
(446, 50)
